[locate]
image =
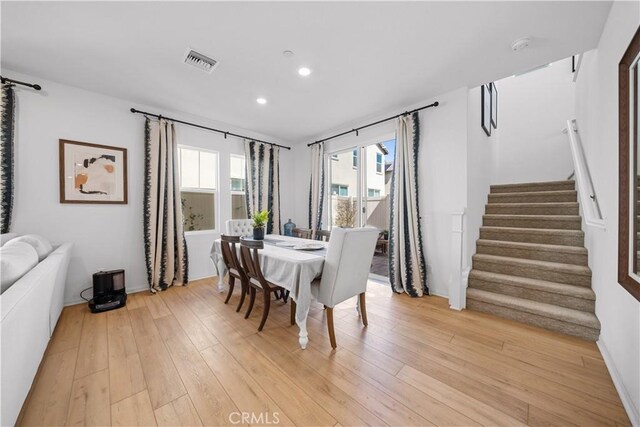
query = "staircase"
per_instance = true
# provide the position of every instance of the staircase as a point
(531, 263)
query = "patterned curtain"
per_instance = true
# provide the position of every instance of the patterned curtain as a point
(7, 116)
(407, 269)
(263, 182)
(316, 189)
(164, 243)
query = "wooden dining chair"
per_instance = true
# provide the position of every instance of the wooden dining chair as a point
(303, 233)
(345, 272)
(230, 258)
(256, 281)
(323, 235)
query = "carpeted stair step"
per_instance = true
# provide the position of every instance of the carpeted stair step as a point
(534, 251)
(560, 319)
(560, 208)
(534, 187)
(534, 235)
(535, 197)
(559, 222)
(543, 270)
(575, 297)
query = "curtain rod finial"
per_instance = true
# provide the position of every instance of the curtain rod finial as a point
(435, 104)
(133, 110)
(37, 87)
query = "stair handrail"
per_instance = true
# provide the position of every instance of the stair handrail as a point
(586, 190)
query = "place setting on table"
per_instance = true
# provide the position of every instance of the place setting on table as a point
(293, 265)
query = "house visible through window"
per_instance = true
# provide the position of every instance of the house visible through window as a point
(379, 162)
(373, 192)
(339, 190)
(198, 188)
(238, 181)
(355, 158)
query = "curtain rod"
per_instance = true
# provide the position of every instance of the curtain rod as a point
(17, 82)
(225, 133)
(356, 130)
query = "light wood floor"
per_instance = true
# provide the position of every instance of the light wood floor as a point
(183, 357)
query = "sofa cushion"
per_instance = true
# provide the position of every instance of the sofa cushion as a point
(16, 260)
(4, 238)
(40, 244)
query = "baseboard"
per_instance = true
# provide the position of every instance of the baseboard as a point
(627, 402)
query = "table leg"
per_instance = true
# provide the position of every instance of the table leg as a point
(302, 311)
(221, 270)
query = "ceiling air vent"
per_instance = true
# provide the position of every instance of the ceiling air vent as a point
(200, 61)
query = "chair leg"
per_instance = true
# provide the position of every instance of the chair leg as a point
(232, 281)
(363, 310)
(265, 309)
(293, 312)
(332, 334)
(286, 296)
(243, 293)
(252, 299)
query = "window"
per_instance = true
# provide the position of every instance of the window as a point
(237, 173)
(198, 188)
(339, 190)
(379, 162)
(355, 158)
(373, 192)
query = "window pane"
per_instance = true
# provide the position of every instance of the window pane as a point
(188, 168)
(198, 210)
(238, 206)
(237, 167)
(208, 170)
(355, 158)
(237, 184)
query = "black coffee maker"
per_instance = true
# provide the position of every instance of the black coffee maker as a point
(108, 291)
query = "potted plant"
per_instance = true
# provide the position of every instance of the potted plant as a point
(259, 222)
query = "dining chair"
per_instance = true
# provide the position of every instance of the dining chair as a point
(323, 235)
(230, 258)
(303, 233)
(239, 227)
(256, 281)
(345, 272)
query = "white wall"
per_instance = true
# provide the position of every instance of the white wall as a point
(597, 117)
(105, 236)
(532, 110)
(481, 150)
(442, 175)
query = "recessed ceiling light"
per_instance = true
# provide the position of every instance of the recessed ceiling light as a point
(261, 101)
(304, 71)
(288, 53)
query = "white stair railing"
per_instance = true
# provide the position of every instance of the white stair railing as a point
(586, 191)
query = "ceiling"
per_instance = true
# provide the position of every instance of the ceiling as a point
(367, 58)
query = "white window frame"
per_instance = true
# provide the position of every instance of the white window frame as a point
(236, 193)
(215, 192)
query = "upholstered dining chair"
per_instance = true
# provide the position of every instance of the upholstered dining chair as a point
(251, 264)
(239, 227)
(303, 233)
(323, 235)
(230, 258)
(345, 272)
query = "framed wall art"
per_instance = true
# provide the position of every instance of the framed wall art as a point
(486, 108)
(92, 173)
(494, 106)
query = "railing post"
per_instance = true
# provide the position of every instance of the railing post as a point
(458, 282)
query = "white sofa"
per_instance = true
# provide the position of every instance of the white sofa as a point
(30, 309)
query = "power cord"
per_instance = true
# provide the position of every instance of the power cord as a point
(83, 291)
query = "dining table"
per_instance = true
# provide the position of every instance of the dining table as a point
(290, 262)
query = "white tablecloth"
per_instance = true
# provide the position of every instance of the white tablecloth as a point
(292, 269)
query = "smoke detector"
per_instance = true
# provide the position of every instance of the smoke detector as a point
(200, 61)
(520, 44)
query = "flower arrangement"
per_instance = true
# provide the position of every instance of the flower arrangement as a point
(260, 219)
